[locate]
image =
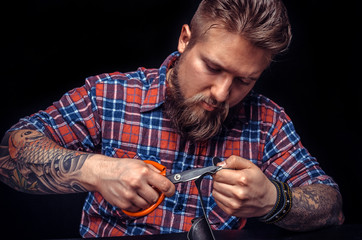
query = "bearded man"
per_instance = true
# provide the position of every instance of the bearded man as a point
(198, 105)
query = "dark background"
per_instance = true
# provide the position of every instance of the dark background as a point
(50, 47)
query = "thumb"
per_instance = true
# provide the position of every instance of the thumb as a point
(236, 162)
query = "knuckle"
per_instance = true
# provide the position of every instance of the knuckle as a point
(233, 205)
(142, 172)
(134, 183)
(124, 204)
(228, 211)
(129, 196)
(127, 206)
(240, 194)
(243, 180)
(234, 158)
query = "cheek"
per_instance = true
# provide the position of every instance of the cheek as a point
(192, 79)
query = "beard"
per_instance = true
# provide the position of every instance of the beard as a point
(188, 117)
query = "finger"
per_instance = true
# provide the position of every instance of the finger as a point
(132, 202)
(236, 162)
(223, 202)
(232, 191)
(234, 207)
(149, 194)
(230, 176)
(132, 208)
(163, 184)
(224, 189)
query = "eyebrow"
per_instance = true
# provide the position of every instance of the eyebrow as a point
(216, 65)
(212, 63)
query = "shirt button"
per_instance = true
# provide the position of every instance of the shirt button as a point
(179, 207)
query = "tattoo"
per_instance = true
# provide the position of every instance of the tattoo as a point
(314, 206)
(31, 162)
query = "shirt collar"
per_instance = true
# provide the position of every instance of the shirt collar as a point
(156, 93)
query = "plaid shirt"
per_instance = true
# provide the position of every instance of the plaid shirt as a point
(120, 115)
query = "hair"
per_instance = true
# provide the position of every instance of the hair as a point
(264, 23)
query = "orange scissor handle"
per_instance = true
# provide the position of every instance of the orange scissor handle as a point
(160, 199)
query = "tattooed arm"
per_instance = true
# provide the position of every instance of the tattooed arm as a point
(314, 206)
(241, 189)
(32, 163)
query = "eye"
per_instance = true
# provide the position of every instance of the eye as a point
(212, 69)
(242, 81)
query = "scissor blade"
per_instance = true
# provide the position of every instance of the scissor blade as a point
(192, 174)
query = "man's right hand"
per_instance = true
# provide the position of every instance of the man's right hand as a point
(129, 184)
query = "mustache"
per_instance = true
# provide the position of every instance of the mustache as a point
(220, 107)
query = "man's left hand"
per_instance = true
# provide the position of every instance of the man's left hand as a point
(241, 189)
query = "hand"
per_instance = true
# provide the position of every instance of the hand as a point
(243, 190)
(129, 184)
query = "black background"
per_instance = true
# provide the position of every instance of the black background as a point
(50, 47)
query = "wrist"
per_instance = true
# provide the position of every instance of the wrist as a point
(282, 205)
(91, 171)
(271, 198)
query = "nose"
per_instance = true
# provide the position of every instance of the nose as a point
(221, 88)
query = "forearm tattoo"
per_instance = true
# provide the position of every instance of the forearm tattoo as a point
(35, 164)
(314, 206)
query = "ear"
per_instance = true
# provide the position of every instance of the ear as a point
(184, 38)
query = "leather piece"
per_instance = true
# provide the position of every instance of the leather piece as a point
(200, 230)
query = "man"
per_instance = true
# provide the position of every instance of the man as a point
(199, 104)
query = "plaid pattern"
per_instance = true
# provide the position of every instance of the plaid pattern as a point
(120, 115)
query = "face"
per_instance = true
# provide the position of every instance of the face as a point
(223, 66)
(211, 76)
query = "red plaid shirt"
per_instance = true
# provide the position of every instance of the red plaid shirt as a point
(120, 115)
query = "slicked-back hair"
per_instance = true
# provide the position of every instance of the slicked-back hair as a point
(264, 23)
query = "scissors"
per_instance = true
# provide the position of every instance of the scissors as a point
(185, 176)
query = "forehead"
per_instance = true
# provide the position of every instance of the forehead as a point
(233, 51)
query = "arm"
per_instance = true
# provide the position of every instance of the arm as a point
(314, 206)
(32, 163)
(244, 191)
